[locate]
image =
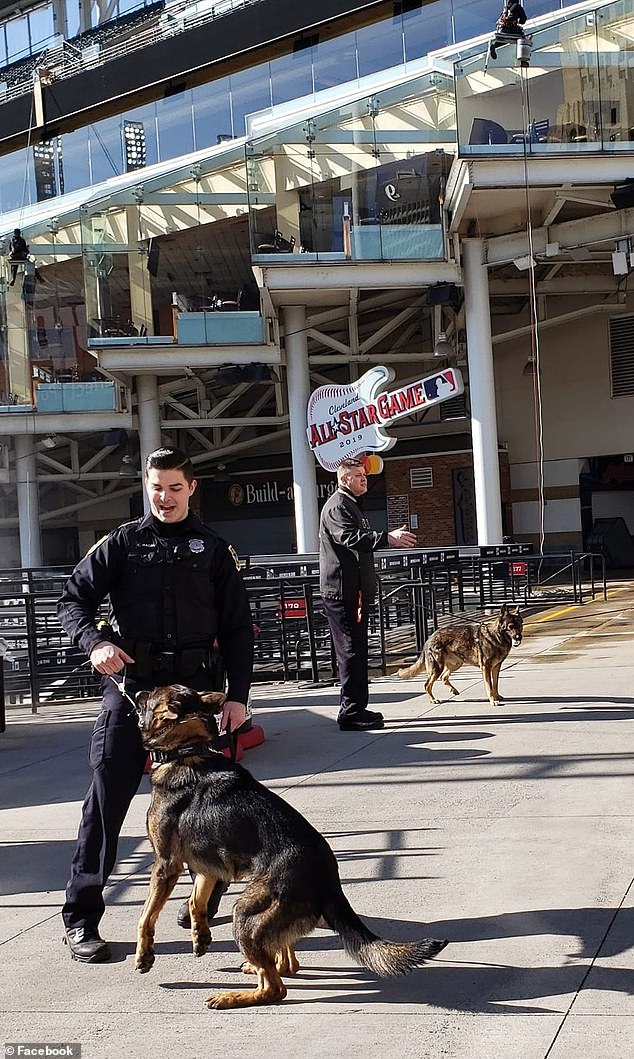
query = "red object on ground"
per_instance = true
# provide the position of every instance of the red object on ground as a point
(246, 740)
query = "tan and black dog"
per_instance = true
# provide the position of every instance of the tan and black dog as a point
(212, 814)
(485, 645)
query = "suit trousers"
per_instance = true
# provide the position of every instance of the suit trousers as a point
(117, 757)
(350, 641)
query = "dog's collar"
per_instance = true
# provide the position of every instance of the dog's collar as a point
(162, 757)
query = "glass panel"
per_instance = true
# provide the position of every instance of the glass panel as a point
(428, 28)
(250, 92)
(552, 106)
(41, 25)
(106, 154)
(106, 274)
(362, 182)
(335, 62)
(17, 30)
(380, 46)
(615, 33)
(212, 114)
(292, 76)
(473, 17)
(3, 47)
(175, 125)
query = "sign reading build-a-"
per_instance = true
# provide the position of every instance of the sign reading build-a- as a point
(345, 421)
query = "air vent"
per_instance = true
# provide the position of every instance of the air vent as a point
(456, 408)
(622, 356)
(421, 478)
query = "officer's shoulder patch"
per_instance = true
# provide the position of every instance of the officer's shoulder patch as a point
(234, 555)
(96, 545)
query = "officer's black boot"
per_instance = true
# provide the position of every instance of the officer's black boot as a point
(182, 916)
(86, 945)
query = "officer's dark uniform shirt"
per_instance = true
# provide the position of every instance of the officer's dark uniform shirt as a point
(346, 546)
(173, 585)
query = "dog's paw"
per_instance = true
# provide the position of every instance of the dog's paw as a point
(248, 968)
(201, 942)
(144, 962)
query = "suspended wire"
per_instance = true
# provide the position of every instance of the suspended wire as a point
(534, 321)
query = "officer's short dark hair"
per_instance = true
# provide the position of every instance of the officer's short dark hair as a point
(166, 459)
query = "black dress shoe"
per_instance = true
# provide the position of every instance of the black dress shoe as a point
(86, 946)
(182, 916)
(365, 721)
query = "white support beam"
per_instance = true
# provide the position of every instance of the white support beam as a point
(363, 274)
(618, 224)
(556, 321)
(64, 422)
(167, 360)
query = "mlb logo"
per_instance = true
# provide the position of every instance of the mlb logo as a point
(440, 386)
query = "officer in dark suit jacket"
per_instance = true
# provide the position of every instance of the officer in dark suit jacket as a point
(348, 586)
(174, 588)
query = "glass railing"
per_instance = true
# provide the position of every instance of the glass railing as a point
(363, 182)
(573, 96)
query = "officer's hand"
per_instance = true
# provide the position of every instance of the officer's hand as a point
(107, 658)
(401, 538)
(233, 715)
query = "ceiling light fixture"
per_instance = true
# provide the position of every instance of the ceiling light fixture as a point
(442, 347)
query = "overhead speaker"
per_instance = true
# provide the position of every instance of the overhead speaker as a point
(623, 194)
(153, 257)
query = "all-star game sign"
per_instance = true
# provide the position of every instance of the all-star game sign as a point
(345, 421)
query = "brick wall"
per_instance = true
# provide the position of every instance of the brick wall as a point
(435, 506)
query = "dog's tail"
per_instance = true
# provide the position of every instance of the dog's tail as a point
(384, 958)
(415, 670)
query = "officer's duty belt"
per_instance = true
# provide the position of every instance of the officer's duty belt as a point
(150, 659)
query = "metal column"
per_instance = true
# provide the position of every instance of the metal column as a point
(149, 420)
(304, 471)
(486, 467)
(28, 501)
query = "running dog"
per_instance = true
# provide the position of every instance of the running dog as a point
(212, 814)
(485, 645)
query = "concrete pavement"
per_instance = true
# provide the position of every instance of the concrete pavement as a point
(509, 831)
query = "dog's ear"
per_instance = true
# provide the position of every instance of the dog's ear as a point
(516, 612)
(214, 699)
(140, 699)
(503, 610)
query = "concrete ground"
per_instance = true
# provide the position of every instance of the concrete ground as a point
(508, 830)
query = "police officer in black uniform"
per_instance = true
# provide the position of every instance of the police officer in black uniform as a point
(348, 586)
(174, 588)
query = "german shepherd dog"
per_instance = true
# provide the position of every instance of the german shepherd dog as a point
(485, 645)
(212, 814)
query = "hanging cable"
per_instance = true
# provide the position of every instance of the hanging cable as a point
(534, 320)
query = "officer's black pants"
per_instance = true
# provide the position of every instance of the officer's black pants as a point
(350, 640)
(118, 758)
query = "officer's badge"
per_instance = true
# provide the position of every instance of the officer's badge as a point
(234, 555)
(196, 546)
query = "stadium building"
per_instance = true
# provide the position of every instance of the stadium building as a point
(229, 204)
